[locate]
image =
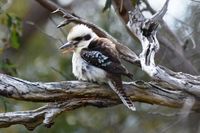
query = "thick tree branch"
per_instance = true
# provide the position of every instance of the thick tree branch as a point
(19, 89)
(69, 95)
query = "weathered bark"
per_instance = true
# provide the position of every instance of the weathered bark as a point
(69, 95)
(145, 30)
(171, 44)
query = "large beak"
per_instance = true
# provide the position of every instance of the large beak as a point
(68, 47)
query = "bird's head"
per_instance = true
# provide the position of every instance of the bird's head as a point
(78, 38)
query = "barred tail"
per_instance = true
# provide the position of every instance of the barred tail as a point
(122, 95)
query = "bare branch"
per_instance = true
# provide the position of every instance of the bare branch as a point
(145, 30)
(171, 43)
(69, 95)
(19, 89)
(159, 15)
(46, 114)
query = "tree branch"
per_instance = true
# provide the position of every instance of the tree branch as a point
(69, 95)
(46, 114)
(145, 30)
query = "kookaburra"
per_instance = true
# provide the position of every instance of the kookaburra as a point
(96, 59)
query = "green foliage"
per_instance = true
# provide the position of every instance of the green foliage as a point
(12, 38)
(15, 29)
(7, 67)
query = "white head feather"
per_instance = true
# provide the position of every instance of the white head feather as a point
(79, 31)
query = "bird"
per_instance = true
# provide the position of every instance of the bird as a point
(96, 59)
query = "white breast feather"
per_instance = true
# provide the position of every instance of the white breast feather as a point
(83, 71)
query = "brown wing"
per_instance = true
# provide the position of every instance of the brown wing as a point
(103, 54)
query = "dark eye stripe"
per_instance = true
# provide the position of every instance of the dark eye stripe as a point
(78, 38)
(87, 37)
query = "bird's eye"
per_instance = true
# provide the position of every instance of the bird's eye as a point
(78, 39)
(87, 37)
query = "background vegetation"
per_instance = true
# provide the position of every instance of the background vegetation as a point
(29, 42)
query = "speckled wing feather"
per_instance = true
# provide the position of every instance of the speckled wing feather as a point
(102, 54)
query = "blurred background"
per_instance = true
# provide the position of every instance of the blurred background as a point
(29, 42)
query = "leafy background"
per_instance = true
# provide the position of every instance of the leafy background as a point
(29, 42)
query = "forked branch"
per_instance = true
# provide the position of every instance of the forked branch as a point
(145, 30)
